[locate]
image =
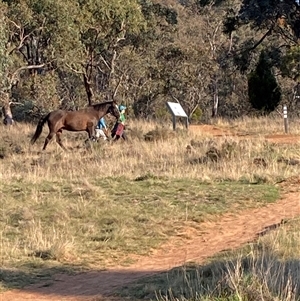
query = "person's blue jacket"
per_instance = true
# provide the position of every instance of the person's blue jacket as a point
(101, 124)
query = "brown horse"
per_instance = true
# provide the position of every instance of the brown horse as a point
(82, 120)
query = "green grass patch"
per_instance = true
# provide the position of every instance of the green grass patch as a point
(51, 225)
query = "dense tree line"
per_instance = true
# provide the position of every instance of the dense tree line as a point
(206, 54)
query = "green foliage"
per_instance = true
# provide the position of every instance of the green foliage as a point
(171, 53)
(264, 92)
(36, 100)
(290, 63)
(106, 19)
(42, 22)
(196, 116)
(154, 50)
(151, 10)
(169, 14)
(46, 98)
(159, 21)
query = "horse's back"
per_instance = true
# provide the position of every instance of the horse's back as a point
(78, 120)
(57, 113)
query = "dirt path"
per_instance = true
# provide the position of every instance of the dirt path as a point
(210, 130)
(229, 232)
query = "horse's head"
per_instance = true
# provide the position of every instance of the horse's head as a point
(113, 109)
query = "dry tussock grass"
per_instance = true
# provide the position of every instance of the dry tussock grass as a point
(260, 125)
(266, 270)
(166, 156)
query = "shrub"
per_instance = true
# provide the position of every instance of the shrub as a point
(263, 90)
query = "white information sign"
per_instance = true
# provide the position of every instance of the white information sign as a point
(176, 109)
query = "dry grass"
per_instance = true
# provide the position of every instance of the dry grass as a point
(93, 207)
(265, 270)
(167, 157)
(260, 125)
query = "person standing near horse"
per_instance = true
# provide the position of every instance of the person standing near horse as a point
(101, 128)
(119, 127)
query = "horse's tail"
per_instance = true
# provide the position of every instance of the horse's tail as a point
(39, 128)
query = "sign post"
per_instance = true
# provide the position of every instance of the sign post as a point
(177, 111)
(285, 119)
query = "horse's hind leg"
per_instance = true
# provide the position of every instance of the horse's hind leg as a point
(58, 139)
(47, 140)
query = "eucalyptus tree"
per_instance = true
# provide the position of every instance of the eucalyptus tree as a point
(40, 35)
(104, 28)
(68, 46)
(135, 58)
(172, 56)
(8, 70)
(206, 47)
(200, 76)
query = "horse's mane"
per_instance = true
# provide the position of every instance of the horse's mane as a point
(102, 104)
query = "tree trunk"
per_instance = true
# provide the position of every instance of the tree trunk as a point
(6, 110)
(216, 101)
(88, 89)
(215, 107)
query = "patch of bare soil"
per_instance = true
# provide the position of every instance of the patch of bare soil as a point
(211, 130)
(283, 138)
(215, 131)
(229, 232)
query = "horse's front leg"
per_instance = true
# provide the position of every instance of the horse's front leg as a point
(91, 131)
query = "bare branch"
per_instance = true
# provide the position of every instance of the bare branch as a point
(15, 103)
(23, 37)
(193, 110)
(259, 41)
(121, 35)
(74, 70)
(14, 78)
(105, 62)
(173, 96)
(212, 38)
(287, 36)
(14, 23)
(118, 84)
(277, 111)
